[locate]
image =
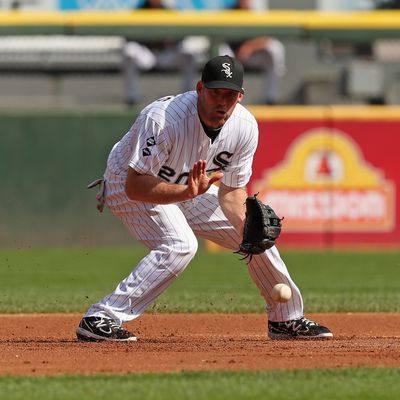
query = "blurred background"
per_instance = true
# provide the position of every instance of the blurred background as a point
(95, 63)
(75, 73)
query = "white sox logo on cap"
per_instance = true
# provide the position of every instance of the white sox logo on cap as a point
(223, 72)
(227, 70)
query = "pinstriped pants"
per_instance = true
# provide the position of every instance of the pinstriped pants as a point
(169, 231)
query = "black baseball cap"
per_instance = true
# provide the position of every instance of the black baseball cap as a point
(223, 72)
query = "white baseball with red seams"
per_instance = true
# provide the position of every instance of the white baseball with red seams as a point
(281, 293)
(165, 141)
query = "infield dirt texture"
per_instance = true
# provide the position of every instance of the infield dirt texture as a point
(206, 336)
(45, 344)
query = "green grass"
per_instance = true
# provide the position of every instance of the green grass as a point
(59, 280)
(328, 384)
(69, 280)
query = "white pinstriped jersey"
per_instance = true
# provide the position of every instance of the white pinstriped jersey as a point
(167, 138)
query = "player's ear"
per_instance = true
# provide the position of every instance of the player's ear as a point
(199, 87)
(240, 97)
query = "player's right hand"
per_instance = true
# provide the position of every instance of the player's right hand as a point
(198, 180)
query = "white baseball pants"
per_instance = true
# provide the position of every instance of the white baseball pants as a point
(169, 231)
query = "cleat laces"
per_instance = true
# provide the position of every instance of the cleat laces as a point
(307, 322)
(110, 324)
(297, 324)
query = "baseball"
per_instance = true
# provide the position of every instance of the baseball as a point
(281, 293)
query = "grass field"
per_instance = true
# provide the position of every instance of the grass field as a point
(69, 280)
(338, 384)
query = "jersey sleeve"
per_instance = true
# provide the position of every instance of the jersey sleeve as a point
(240, 169)
(149, 146)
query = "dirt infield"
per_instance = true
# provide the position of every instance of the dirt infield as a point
(45, 344)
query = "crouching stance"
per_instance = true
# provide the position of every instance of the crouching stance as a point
(159, 183)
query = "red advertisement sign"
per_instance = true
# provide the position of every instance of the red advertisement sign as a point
(332, 172)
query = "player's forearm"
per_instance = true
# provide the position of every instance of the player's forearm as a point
(150, 189)
(232, 202)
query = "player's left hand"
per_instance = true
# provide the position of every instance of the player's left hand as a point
(261, 228)
(198, 180)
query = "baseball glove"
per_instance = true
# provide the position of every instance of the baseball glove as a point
(261, 228)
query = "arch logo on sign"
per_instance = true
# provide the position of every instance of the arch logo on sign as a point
(324, 182)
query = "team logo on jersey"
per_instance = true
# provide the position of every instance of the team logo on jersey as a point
(227, 70)
(151, 141)
(222, 160)
(146, 152)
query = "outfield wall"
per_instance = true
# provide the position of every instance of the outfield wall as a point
(46, 161)
(332, 172)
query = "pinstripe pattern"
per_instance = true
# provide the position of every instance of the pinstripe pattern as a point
(208, 221)
(180, 141)
(166, 140)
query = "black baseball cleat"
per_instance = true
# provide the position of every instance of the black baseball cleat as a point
(100, 328)
(302, 328)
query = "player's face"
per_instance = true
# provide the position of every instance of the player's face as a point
(215, 106)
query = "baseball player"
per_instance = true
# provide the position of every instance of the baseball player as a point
(159, 183)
